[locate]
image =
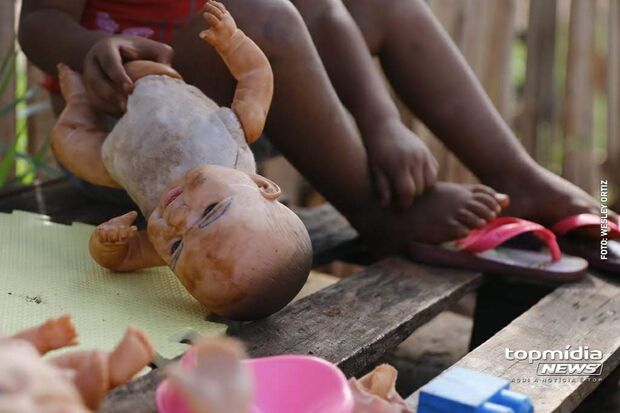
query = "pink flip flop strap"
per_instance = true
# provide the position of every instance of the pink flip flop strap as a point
(500, 230)
(568, 224)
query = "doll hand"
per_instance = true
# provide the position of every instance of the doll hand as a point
(58, 332)
(117, 230)
(402, 165)
(107, 83)
(222, 26)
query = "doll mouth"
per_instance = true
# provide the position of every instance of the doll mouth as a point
(171, 196)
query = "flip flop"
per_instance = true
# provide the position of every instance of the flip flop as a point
(282, 384)
(588, 242)
(481, 250)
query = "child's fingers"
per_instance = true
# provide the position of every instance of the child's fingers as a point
(405, 189)
(383, 187)
(418, 178)
(100, 90)
(430, 175)
(112, 64)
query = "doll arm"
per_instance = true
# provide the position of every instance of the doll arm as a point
(55, 333)
(119, 246)
(247, 63)
(77, 136)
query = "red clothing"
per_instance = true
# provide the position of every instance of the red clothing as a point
(155, 19)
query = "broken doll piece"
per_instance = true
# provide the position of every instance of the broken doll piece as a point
(186, 163)
(72, 382)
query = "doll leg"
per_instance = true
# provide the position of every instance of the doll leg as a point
(132, 354)
(55, 333)
(91, 374)
(77, 136)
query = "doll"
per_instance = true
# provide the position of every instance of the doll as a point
(186, 163)
(74, 382)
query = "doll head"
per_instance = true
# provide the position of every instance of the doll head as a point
(236, 249)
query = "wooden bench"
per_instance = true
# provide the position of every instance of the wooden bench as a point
(354, 322)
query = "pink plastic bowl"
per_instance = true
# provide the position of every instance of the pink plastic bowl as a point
(282, 384)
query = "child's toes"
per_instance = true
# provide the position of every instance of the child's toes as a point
(484, 210)
(469, 219)
(489, 201)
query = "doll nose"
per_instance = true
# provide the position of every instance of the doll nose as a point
(177, 218)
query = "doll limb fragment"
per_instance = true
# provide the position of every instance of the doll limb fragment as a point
(248, 65)
(77, 136)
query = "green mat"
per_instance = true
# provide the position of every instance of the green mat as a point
(46, 271)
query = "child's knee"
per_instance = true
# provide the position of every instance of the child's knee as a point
(275, 25)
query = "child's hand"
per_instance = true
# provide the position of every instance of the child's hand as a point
(401, 164)
(107, 83)
(221, 24)
(118, 230)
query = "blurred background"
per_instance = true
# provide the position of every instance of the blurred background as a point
(552, 68)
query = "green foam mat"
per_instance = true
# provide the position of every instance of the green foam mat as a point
(46, 271)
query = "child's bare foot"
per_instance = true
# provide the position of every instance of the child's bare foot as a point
(445, 212)
(544, 197)
(130, 356)
(56, 333)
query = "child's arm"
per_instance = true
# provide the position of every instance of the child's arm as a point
(247, 63)
(119, 246)
(77, 137)
(401, 164)
(50, 33)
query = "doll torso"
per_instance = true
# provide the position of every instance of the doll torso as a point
(169, 128)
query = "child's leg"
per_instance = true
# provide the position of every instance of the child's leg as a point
(428, 72)
(55, 333)
(308, 124)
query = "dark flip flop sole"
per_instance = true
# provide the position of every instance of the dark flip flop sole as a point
(590, 249)
(503, 261)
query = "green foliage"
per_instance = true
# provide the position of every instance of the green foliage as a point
(18, 107)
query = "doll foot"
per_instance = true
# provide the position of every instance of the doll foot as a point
(131, 355)
(56, 333)
(376, 393)
(92, 378)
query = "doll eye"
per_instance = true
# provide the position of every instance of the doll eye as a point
(208, 209)
(175, 246)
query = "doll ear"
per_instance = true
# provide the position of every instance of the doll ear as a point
(267, 187)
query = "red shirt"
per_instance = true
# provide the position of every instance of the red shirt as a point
(154, 19)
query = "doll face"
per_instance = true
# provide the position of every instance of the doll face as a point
(204, 217)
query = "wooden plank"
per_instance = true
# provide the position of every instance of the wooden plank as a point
(613, 93)
(538, 96)
(586, 313)
(7, 48)
(496, 66)
(351, 323)
(580, 164)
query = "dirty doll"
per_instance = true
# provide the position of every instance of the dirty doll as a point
(186, 163)
(70, 383)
